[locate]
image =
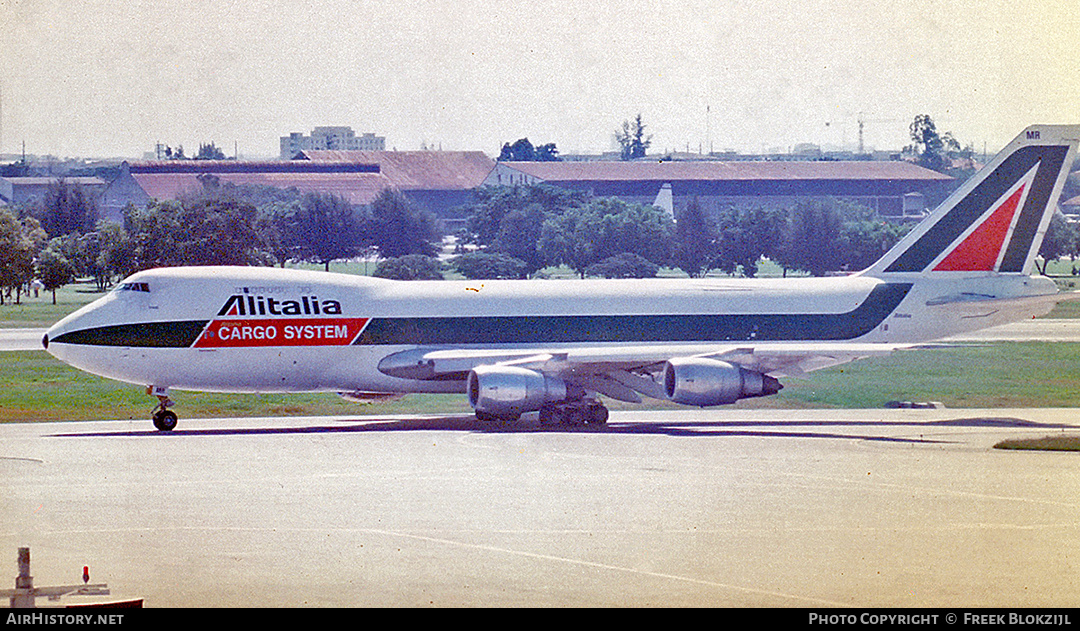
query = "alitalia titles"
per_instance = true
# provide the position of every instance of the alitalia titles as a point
(249, 305)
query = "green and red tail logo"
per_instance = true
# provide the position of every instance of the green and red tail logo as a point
(995, 221)
(982, 247)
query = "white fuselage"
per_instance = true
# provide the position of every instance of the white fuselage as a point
(271, 330)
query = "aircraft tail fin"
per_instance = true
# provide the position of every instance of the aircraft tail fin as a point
(995, 221)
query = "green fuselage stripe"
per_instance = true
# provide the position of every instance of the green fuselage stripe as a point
(147, 334)
(466, 330)
(638, 328)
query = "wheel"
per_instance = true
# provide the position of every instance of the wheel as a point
(575, 416)
(598, 414)
(549, 415)
(165, 420)
(488, 417)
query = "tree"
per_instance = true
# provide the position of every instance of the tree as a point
(865, 237)
(641, 229)
(54, 269)
(632, 140)
(66, 208)
(209, 152)
(625, 265)
(933, 150)
(519, 235)
(399, 227)
(812, 242)
(101, 255)
(274, 223)
(222, 232)
(547, 153)
(115, 253)
(523, 151)
(563, 242)
(16, 256)
(211, 230)
(410, 267)
(325, 228)
(745, 235)
(34, 233)
(954, 150)
(489, 265)
(603, 228)
(696, 239)
(510, 219)
(1059, 240)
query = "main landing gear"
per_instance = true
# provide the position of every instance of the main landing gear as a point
(164, 418)
(576, 413)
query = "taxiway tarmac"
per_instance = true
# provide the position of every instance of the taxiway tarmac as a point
(813, 508)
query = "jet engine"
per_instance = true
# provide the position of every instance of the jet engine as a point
(508, 391)
(701, 381)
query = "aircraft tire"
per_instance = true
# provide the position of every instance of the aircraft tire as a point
(575, 416)
(165, 420)
(598, 415)
(549, 415)
(497, 418)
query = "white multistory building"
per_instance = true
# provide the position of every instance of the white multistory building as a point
(330, 138)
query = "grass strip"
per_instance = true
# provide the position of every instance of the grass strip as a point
(1047, 443)
(34, 386)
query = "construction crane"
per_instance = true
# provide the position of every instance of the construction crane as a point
(861, 120)
(862, 123)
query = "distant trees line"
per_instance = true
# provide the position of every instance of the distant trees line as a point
(59, 238)
(521, 230)
(510, 232)
(517, 232)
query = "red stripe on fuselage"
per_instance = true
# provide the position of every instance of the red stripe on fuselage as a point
(250, 333)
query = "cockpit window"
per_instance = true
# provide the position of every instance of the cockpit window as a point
(145, 287)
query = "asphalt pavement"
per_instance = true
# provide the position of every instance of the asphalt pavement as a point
(818, 508)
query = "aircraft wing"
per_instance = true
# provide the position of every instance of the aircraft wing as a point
(622, 372)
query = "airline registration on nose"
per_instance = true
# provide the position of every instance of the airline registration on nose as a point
(275, 332)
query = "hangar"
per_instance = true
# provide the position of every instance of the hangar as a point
(892, 188)
(436, 180)
(443, 181)
(141, 182)
(440, 181)
(17, 191)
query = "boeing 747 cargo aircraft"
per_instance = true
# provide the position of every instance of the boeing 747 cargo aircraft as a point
(557, 347)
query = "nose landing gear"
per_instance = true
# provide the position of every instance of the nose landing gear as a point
(164, 418)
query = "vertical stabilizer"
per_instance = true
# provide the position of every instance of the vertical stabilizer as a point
(995, 222)
(664, 201)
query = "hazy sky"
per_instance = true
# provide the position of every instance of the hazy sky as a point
(108, 78)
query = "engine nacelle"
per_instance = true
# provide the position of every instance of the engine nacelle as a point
(701, 381)
(510, 390)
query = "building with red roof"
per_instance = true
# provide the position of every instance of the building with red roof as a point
(18, 191)
(438, 181)
(443, 181)
(881, 185)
